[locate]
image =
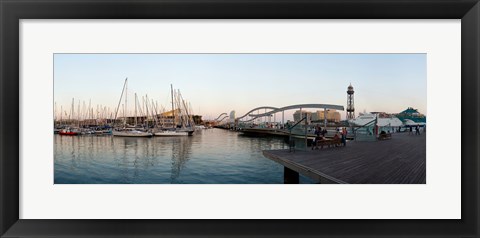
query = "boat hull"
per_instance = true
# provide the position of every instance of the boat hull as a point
(70, 133)
(172, 133)
(132, 134)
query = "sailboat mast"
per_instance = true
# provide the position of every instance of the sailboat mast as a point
(78, 113)
(120, 100)
(173, 109)
(146, 109)
(90, 117)
(125, 106)
(154, 114)
(185, 106)
(72, 114)
(135, 109)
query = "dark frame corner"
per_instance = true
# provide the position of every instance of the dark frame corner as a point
(11, 11)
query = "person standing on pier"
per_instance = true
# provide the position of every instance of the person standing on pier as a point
(417, 130)
(318, 131)
(344, 136)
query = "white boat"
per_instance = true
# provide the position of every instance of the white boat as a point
(172, 133)
(128, 132)
(125, 131)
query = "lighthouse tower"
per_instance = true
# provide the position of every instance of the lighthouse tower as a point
(350, 106)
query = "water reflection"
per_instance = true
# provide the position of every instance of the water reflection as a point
(181, 150)
(211, 156)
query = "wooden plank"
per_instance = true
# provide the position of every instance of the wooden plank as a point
(401, 159)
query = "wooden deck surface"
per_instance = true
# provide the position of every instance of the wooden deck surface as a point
(400, 160)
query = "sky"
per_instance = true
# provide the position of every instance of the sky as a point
(218, 83)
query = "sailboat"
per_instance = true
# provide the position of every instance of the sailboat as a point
(131, 132)
(174, 131)
(127, 131)
(69, 132)
(73, 129)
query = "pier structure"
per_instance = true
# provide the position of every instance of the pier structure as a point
(253, 116)
(235, 122)
(399, 160)
(218, 122)
(274, 110)
(298, 131)
(223, 116)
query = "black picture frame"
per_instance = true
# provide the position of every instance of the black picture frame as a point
(12, 11)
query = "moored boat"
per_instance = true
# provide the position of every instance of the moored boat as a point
(126, 131)
(179, 115)
(172, 133)
(68, 132)
(130, 132)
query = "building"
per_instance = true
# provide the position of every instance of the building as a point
(382, 114)
(319, 116)
(332, 116)
(232, 117)
(411, 114)
(300, 114)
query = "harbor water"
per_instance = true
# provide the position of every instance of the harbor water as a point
(212, 156)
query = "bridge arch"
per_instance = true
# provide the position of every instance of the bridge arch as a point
(296, 106)
(223, 118)
(223, 114)
(255, 109)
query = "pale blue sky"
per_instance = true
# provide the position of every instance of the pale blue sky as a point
(217, 83)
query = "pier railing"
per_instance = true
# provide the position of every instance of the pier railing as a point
(366, 132)
(295, 129)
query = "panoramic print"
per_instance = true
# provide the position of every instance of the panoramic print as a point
(240, 118)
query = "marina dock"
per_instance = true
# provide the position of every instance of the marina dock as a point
(285, 133)
(400, 160)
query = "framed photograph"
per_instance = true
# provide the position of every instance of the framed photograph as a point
(239, 118)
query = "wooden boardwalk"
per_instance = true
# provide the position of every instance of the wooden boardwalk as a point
(400, 160)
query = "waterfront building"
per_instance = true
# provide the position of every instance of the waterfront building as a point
(332, 116)
(382, 119)
(166, 119)
(300, 114)
(411, 114)
(232, 117)
(197, 119)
